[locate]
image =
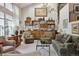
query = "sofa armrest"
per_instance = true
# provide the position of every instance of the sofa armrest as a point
(69, 45)
(63, 52)
(70, 48)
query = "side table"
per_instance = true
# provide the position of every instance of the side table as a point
(43, 47)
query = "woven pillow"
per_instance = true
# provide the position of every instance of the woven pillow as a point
(64, 38)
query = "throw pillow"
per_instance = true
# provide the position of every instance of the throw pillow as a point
(68, 39)
(64, 38)
(62, 45)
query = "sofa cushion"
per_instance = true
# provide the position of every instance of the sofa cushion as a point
(10, 43)
(69, 39)
(64, 38)
(75, 39)
(58, 44)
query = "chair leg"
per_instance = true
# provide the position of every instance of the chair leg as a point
(1, 50)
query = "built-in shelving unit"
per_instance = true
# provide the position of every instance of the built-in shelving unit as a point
(41, 24)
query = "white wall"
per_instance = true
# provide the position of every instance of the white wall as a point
(64, 14)
(29, 11)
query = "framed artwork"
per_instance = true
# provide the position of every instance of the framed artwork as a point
(77, 17)
(76, 8)
(73, 17)
(65, 23)
(75, 28)
(40, 12)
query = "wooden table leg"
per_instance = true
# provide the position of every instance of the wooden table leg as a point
(49, 50)
(36, 47)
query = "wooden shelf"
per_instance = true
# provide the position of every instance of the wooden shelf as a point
(43, 24)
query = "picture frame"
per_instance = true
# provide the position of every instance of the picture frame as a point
(76, 8)
(75, 28)
(73, 17)
(40, 12)
(77, 17)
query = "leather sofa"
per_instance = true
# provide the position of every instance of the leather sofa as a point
(65, 45)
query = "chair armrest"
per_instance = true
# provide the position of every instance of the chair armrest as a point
(2, 42)
(1, 49)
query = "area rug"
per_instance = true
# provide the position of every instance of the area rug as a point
(15, 53)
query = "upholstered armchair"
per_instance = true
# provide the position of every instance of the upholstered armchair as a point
(28, 37)
(6, 45)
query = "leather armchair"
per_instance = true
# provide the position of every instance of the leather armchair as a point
(6, 46)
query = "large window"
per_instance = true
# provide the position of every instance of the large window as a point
(9, 6)
(8, 22)
(16, 17)
(16, 10)
(1, 15)
(1, 27)
(1, 24)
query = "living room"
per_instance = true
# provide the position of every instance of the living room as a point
(39, 29)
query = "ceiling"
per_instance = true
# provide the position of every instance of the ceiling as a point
(22, 5)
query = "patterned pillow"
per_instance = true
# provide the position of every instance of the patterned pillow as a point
(69, 39)
(64, 38)
(75, 39)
